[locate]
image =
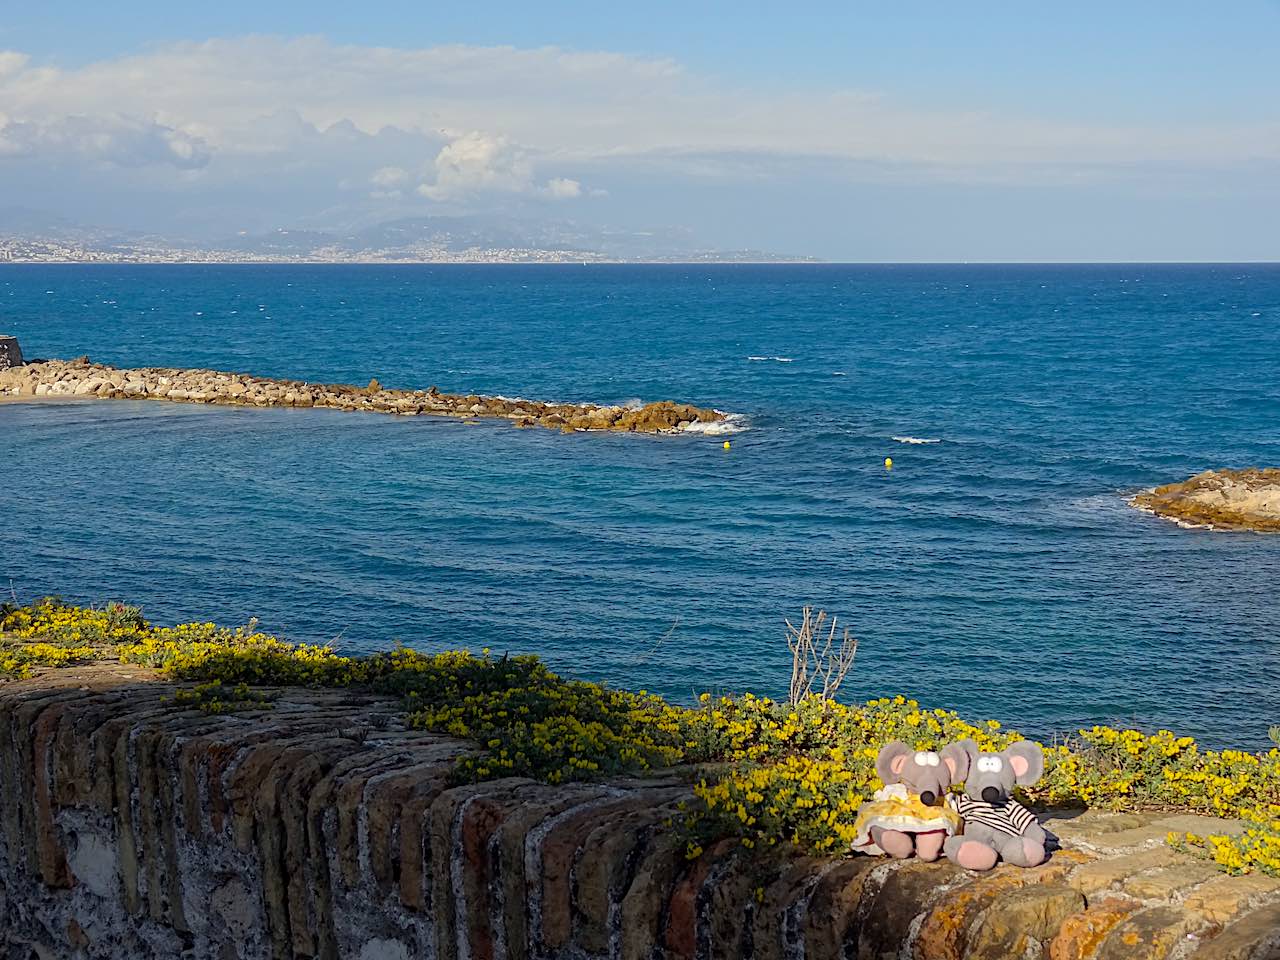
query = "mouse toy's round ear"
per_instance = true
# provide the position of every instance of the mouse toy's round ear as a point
(891, 759)
(1026, 759)
(959, 757)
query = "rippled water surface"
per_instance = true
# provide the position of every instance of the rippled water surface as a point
(997, 571)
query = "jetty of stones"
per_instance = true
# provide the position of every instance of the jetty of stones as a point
(134, 825)
(83, 378)
(1246, 499)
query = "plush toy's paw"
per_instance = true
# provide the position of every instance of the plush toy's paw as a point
(893, 842)
(973, 855)
(1032, 852)
(929, 845)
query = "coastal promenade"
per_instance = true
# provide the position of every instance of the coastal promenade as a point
(134, 824)
(84, 379)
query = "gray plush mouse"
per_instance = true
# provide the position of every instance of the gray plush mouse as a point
(909, 816)
(997, 827)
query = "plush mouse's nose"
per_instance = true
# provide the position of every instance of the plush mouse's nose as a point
(990, 794)
(928, 798)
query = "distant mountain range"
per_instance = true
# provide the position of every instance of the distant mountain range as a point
(29, 236)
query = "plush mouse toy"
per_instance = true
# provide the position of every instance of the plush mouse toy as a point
(997, 827)
(910, 814)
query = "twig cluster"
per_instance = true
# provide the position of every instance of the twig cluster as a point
(820, 655)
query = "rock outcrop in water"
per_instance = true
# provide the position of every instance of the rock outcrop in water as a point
(83, 378)
(1246, 499)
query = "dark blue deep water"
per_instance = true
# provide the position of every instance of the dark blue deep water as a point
(997, 571)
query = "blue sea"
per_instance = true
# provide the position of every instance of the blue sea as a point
(995, 570)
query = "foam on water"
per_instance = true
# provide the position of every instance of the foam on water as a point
(732, 423)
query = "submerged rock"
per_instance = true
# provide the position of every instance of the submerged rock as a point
(81, 377)
(1247, 499)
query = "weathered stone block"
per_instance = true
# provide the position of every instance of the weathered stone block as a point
(681, 936)
(944, 932)
(1150, 934)
(1080, 935)
(1023, 921)
(1222, 898)
(1164, 883)
(607, 858)
(729, 908)
(1103, 873)
(1255, 937)
(641, 910)
(831, 919)
(554, 858)
(777, 925)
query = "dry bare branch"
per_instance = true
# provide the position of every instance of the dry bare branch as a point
(821, 656)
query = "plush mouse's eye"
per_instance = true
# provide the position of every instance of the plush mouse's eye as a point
(932, 759)
(990, 764)
(922, 759)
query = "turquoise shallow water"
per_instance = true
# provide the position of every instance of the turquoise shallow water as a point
(997, 571)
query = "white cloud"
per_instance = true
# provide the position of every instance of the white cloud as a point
(114, 139)
(562, 188)
(12, 62)
(252, 94)
(389, 178)
(477, 162)
(259, 128)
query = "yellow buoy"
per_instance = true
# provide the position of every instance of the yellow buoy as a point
(726, 444)
(888, 463)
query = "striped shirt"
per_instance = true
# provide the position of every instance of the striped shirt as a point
(1008, 816)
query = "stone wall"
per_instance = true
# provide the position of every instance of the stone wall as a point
(10, 353)
(135, 826)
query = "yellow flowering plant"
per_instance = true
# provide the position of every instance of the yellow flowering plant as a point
(765, 773)
(217, 697)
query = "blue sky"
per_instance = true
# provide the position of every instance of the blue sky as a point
(1161, 57)
(926, 130)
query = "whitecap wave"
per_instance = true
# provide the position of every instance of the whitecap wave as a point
(732, 423)
(916, 439)
(774, 359)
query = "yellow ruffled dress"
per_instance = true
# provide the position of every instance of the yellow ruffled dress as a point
(893, 808)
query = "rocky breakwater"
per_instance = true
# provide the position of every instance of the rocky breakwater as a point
(313, 824)
(1246, 499)
(83, 378)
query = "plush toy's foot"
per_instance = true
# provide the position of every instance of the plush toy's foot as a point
(971, 854)
(893, 842)
(929, 845)
(1029, 853)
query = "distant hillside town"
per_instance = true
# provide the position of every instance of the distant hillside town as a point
(414, 240)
